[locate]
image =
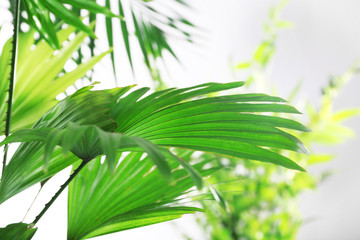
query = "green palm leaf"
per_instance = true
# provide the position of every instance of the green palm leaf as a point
(27, 164)
(223, 125)
(19, 231)
(38, 13)
(154, 25)
(38, 81)
(87, 142)
(133, 196)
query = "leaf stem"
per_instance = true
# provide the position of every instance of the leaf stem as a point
(57, 194)
(12, 75)
(32, 203)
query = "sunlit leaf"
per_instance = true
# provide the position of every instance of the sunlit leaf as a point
(345, 114)
(37, 82)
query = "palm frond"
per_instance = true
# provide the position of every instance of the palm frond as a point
(39, 16)
(225, 125)
(38, 81)
(27, 164)
(87, 142)
(133, 196)
(155, 23)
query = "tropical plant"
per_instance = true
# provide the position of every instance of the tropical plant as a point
(121, 124)
(153, 23)
(262, 199)
(105, 125)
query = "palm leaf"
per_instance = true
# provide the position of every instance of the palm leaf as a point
(156, 22)
(19, 231)
(126, 199)
(87, 142)
(39, 16)
(27, 164)
(164, 119)
(154, 27)
(38, 82)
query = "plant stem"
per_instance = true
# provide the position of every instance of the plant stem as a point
(37, 195)
(12, 75)
(57, 194)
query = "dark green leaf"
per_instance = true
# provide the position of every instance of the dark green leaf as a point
(125, 34)
(17, 231)
(156, 156)
(91, 6)
(63, 13)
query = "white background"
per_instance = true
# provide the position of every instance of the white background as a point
(324, 41)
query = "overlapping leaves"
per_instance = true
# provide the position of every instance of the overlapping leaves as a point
(38, 13)
(153, 23)
(37, 77)
(27, 164)
(223, 125)
(87, 142)
(154, 26)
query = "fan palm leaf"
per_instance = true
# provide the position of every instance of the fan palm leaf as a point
(26, 166)
(161, 119)
(128, 198)
(38, 81)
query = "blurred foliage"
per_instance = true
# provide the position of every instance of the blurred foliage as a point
(266, 49)
(262, 199)
(150, 26)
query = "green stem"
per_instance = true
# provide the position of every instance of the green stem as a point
(12, 75)
(57, 194)
(92, 18)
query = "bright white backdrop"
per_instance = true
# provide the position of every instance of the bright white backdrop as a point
(324, 41)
